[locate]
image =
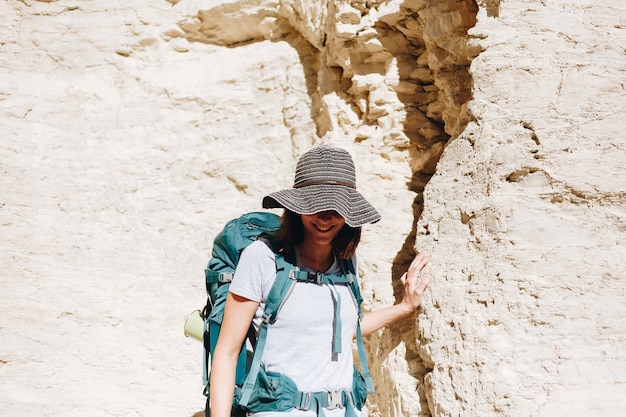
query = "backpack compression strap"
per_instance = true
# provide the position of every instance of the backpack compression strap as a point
(216, 277)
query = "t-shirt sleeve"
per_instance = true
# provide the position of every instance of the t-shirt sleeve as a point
(255, 271)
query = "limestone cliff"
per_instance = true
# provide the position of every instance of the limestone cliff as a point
(488, 134)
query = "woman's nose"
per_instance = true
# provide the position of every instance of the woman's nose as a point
(327, 215)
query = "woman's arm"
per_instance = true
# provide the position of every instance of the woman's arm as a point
(414, 288)
(238, 315)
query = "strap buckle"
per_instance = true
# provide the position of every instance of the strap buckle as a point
(335, 399)
(225, 277)
(324, 399)
(217, 277)
(304, 402)
(315, 277)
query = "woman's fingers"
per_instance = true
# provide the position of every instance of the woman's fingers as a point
(424, 283)
(419, 262)
(416, 267)
(415, 283)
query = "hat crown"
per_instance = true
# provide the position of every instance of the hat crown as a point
(325, 165)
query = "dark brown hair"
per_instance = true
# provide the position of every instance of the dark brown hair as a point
(291, 234)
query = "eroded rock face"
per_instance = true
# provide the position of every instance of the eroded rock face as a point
(391, 76)
(537, 301)
(396, 72)
(488, 135)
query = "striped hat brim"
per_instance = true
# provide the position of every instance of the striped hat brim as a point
(346, 201)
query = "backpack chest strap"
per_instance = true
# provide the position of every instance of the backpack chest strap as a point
(319, 278)
(295, 274)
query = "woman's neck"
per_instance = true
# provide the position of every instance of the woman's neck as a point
(315, 257)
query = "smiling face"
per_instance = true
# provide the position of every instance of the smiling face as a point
(321, 228)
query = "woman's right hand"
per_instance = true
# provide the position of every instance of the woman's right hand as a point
(414, 283)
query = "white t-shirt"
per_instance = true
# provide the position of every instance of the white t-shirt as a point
(299, 343)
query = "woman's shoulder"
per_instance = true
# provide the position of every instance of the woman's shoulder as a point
(255, 271)
(258, 248)
(257, 256)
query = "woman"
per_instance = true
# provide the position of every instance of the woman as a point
(321, 227)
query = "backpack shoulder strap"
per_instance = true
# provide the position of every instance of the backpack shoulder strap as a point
(349, 269)
(275, 299)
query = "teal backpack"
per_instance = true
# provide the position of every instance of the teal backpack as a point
(255, 389)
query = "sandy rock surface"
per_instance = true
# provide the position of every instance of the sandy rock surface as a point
(131, 132)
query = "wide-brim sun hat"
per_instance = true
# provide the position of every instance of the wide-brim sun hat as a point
(325, 179)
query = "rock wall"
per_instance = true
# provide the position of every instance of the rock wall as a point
(532, 194)
(488, 134)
